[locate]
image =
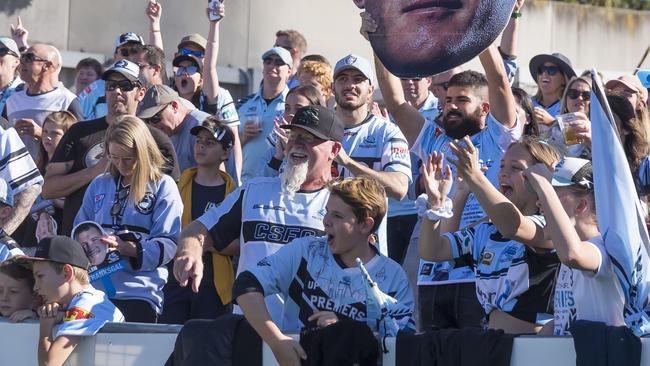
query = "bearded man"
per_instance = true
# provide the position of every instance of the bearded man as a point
(264, 214)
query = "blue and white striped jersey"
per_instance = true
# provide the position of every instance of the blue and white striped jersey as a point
(264, 220)
(17, 167)
(308, 275)
(156, 220)
(510, 276)
(492, 143)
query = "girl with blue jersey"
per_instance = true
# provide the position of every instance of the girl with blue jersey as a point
(141, 209)
(514, 283)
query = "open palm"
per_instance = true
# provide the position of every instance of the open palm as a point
(437, 179)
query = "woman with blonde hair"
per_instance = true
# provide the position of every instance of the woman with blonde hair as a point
(141, 209)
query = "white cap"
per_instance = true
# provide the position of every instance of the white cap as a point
(281, 53)
(354, 62)
(10, 44)
(573, 171)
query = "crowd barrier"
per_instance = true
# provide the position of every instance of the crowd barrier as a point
(133, 344)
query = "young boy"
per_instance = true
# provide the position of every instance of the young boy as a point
(60, 269)
(202, 188)
(319, 276)
(16, 292)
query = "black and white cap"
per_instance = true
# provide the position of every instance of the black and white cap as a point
(125, 38)
(573, 172)
(126, 68)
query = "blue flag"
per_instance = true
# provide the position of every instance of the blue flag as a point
(620, 215)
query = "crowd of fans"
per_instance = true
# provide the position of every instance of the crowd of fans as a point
(154, 199)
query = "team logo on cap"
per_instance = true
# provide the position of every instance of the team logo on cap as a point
(350, 60)
(121, 63)
(310, 116)
(145, 206)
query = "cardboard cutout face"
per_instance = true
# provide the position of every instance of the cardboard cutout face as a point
(417, 38)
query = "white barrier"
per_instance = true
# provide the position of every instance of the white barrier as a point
(150, 345)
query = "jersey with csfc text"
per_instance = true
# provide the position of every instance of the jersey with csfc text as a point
(491, 143)
(311, 279)
(264, 220)
(510, 276)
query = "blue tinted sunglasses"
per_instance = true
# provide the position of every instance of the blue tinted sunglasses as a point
(190, 70)
(551, 70)
(185, 51)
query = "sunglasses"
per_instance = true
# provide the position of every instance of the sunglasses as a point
(551, 70)
(574, 94)
(190, 70)
(120, 196)
(30, 57)
(444, 85)
(274, 61)
(5, 51)
(156, 118)
(185, 51)
(123, 85)
(128, 51)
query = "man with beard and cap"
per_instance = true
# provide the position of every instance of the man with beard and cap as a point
(79, 156)
(483, 107)
(264, 214)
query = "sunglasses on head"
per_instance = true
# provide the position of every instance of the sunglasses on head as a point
(30, 57)
(5, 51)
(156, 118)
(190, 70)
(551, 70)
(123, 85)
(273, 61)
(185, 51)
(574, 94)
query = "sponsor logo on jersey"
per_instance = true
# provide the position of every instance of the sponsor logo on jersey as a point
(77, 313)
(99, 199)
(268, 207)
(146, 205)
(349, 134)
(400, 152)
(487, 257)
(93, 154)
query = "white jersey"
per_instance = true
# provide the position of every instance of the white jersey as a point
(583, 295)
(17, 167)
(382, 147)
(264, 220)
(492, 143)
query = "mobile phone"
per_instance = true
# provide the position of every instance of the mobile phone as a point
(212, 13)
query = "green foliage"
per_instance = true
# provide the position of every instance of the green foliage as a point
(626, 4)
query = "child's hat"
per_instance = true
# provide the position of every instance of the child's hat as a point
(59, 249)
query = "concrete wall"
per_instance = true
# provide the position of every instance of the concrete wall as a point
(611, 39)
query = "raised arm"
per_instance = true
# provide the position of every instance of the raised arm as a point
(502, 102)
(432, 246)
(154, 13)
(19, 34)
(571, 250)
(510, 35)
(210, 77)
(510, 222)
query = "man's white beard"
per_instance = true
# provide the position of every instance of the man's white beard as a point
(293, 176)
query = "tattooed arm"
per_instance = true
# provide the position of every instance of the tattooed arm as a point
(22, 204)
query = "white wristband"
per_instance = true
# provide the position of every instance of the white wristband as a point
(424, 210)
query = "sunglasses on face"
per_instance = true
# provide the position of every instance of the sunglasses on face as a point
(274, 61)
(190, 70)
(551, 70)
(30, 57)
(156, 118)
(5, 51)
(444, 85)
(128, 51)
(123, 85)
(574, 94)
(185, 51)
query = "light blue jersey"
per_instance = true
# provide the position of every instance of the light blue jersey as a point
(93, 100)
(310, 278)
(156, 220)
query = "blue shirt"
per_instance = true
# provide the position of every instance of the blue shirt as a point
(253, 150)
(93, 100)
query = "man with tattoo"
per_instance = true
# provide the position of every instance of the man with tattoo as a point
(18, 170)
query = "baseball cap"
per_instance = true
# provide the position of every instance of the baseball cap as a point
(573, 172)
(630, 82)
(155, 99)
(281, 53)
(126, 68)
(10, 44)
(319, 121)
(221, 134)
(354, 62)
(195, 60)
(195, 38)
(59, 249)
(125, 38)
(6, 196)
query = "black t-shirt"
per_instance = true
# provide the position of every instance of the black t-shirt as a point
(205, 197)
(83, 144)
